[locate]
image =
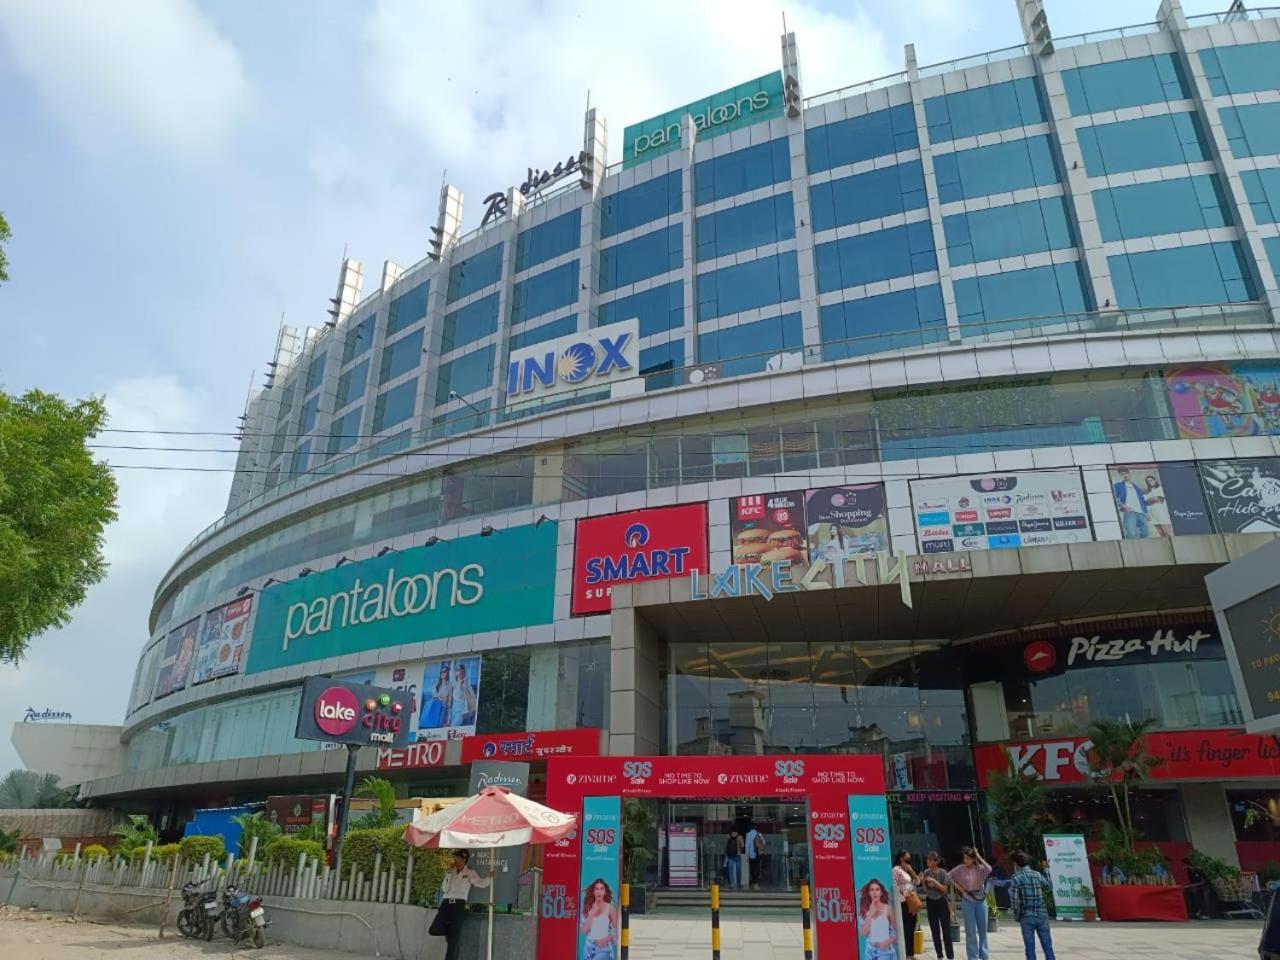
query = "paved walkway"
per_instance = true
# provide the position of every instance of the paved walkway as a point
(671, 936)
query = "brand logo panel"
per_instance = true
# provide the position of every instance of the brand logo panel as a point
(571, 362)
(338, 711)
(656, 544)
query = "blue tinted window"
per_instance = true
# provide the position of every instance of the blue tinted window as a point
(461, 419)
(309, 410)
(660, 365)
(1021, 294)
(745, 227)
(408, 308)
(401, 356)
(359, 338)
(999, 168)
(740, 171)
(1159, 207)
(395, 406)
(301, 457)
(1181, 276)
(882, 255)
(474, 273)
(467, 374)
(659, 309)
(1124, 83)
(1143, 144)
(1272, 246)
(861, 138)
(548, 240)
(1000, 106)
(470, 323)
(1262, 187)
(315, 372)
(345, 431)
(746, 286)
(1008, 231)
(646, 256)
(1246, 68)
(868, 196)
(1253, 130)
(746, 348)
(544, 332)
(352, 383)
(544, 292)
(907, 318)
(641, 204)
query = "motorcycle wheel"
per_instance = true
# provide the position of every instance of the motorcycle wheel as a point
(231, 924)
(210, 926)
(185, 924)
(259, 940)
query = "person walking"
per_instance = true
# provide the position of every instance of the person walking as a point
(937, 886)
(1026, 896)
(733, 848)
(755, 856)
(454, 887)
(904, 885)
(970, 878)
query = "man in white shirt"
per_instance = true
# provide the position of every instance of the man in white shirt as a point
(454, 888)
(755, 856)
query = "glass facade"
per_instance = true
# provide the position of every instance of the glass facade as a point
(543, 332)
(351, 384)
(1262, 187)
(908, 318)
(1008, 231)
(648, 255)
(744, 348)
(877, 134)
(395, 406)
(545, 292)
(880, 255)
(465, 374)
(1160, 207)
(747, 286)
(999, 168)
(548, 240)
(1163, 141)
(1000, 106)
(1125, 83)
(359, 339)
(1207, 273)
(658, 309)
(644, 203)
(344, 432)
(1243, 68)
(745, 227)
(741, 171)
(472, 274)
(868, 196)
(407, 309)
(468, 324)
(400, 357)
(1252, 130)
(1022, 294)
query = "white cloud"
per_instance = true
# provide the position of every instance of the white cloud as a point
(154, 70)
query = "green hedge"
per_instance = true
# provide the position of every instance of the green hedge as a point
(361, 848)
(193, 849)
(163, 852)
(95, 851)
(286, 849)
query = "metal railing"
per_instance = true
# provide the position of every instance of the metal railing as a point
(864, 86)
(977, 60)
(1232, 16)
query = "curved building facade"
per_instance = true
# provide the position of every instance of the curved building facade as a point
(903, 419)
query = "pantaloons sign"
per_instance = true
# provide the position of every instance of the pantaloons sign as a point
(740, 106)
(470, 585)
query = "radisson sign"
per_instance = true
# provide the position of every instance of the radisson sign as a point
(732, 109)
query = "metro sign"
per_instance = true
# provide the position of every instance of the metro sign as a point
(575, 361)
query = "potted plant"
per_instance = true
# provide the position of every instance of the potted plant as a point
(1090, 905)
(1227, 881)
(1117, 762)
(1019, 811)
(637, 849)
(993, 920)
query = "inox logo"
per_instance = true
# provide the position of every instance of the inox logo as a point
(789, 770)
(597, 355)
(637, 769)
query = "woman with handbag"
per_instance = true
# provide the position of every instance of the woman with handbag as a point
(904, 885)
(937, 903)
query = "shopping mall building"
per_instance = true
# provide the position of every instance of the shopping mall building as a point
(904, 419)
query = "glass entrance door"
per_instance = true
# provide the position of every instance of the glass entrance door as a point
(694, 845)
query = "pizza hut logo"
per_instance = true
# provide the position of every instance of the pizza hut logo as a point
(1040, 656)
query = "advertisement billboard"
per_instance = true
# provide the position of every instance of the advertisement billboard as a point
(536, 745)
(222, 638)
(1222, 400)
(450, 698)
(468, 585)
(600, 878)
(769, 527)
(338, 711)
(175, 662)
(1255, 645)
(992, 511)
(877, 918)
(655, 544)
(574, 362)
(1243, 495)
(847, 521)
(1069, 874)
(1158, 500)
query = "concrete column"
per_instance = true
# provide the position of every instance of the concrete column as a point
(793, 96)
(595, 145)
(635, 656)
(1204, 806)
(548, 476)
(516, 204)
(689, 268)
(446, 230)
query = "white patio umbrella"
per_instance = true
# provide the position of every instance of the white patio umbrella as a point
(495, 817)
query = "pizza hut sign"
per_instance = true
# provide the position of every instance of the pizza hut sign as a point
(357, 714)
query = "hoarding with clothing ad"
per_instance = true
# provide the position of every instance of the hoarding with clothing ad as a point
(175, 662)
(877, 914)
(222, 639)
(847, 521)
(1222, 400)
(1069, 874)
(993, 511)
(768, 527)
(1243, 495)
(450, 698)
(1158, 500)
(600, 879)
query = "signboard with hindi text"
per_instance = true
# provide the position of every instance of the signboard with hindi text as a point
(1069, 874)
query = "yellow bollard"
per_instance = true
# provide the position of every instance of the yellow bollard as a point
(919, 943)
(624, 935)
(806, 922)
(715, 921)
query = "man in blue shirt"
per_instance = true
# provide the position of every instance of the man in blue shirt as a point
(1132, 504)
(1026, 895)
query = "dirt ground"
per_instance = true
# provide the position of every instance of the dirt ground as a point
(37, 935)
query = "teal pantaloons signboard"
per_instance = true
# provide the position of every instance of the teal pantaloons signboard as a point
(454, 587)
(732, 109)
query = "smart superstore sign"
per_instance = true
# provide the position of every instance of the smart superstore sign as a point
(656, 544)
(454, 587)
(740, 106)
(337, 711)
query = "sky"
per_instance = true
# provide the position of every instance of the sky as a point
(179, 176)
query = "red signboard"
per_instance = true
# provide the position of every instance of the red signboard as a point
(532, 746)
(656, 544)
(1185, 755)
(423, 753)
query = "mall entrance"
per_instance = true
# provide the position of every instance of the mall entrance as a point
(694, 844)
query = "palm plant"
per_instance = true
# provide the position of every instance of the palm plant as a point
(134, 834)
(1117, 762)
(255, 825)
(28, 790)
(383, 793)
(1019, 811)
(637, 824)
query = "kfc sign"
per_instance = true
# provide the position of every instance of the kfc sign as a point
(658, 544)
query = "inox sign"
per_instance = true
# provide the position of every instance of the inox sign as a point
(572, 362)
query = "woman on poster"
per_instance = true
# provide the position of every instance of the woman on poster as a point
(435, 713)
(875, 923)
(599, 922)
(462, 702)
(1157, 506)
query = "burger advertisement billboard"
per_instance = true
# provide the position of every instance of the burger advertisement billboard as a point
(338, 711)
(768, 527)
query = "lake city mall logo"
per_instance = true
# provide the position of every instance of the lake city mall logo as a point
(336, 711)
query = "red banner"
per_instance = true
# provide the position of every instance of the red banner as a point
(538, 745)
(656, 544)
(1184, 755)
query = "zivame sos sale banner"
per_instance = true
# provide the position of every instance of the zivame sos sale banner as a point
(600, 880)
(453, 587)
(874, 903)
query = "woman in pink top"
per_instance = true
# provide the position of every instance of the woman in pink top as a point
(970, 878)
(904, 881)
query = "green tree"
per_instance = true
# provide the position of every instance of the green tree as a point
(1118, 761)
(383, 792)
(55, 502)
(28, 790)
(255, 825)
(4, 238)
(135, 834)
(1019, 812)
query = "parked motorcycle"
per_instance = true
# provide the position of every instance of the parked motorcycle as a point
(198, 917)
(244, 917)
